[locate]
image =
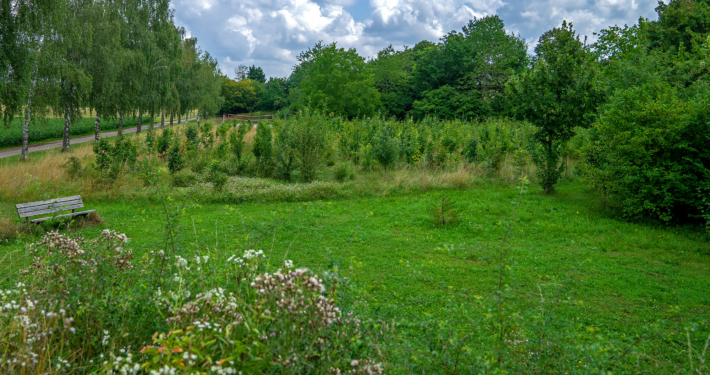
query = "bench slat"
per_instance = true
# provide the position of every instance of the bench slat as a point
(50, 210)
(49, 206)
(83, 213)
(40, 203)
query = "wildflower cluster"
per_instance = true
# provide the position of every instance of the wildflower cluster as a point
(29, 326)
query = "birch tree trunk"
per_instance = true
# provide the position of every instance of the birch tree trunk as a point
(162, 118)
(67, 123)
(171, 117)
(26, 125)
(97, 128)
(198, 116)
(140, 122)
(179, 117)
(120, 122)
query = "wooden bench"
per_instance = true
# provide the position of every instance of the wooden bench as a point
(27, 210)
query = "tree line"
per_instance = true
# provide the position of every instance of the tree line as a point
(636, 102)
(118, 58)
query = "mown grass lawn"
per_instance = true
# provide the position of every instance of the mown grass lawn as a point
(619, 275)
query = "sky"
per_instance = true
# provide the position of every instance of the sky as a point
(272, 33)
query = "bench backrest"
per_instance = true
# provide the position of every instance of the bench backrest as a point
(49, 207)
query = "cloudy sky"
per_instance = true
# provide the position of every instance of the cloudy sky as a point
(271, 33)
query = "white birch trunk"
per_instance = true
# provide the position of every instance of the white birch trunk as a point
(26, 125)
(97, 128)
(67, 123)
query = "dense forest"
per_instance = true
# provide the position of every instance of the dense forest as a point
(117, 58)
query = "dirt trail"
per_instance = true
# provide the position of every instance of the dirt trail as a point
(56, 144)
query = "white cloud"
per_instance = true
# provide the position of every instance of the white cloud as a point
(271, 33)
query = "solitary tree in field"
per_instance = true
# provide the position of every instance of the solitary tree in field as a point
(556, 95)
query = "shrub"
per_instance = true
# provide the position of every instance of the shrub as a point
(112, 158)
(471, 151)
(184, 179)
(176, 161)
(444, 212)
(191, 140)
(343, 172)
(649, 150)
(236, 138)
(73, 167)
(284, 154)
(262, 147)
(164, 142)
(308, 143)
(150, 140)
(216, 176)
(384, 148)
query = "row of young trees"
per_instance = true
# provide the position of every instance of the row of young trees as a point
(116, 57)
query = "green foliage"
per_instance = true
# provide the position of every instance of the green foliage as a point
(184, 179)
(150, 141)
(262, 146)
(343, 172)
(338, 81)
(444, 212)
(216, 176)
(648, 151)
(557, 95)
(52, 128)
(240, 96)
(471, 151)
(284, 152)
(112, 157)
(384, 147)
(256, 74)
(448, 103)
(73, 167)
(236, 138)
(176, 159)
(164, 142)
(192, 141)
(308, 143)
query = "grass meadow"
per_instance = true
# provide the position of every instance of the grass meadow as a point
(566, 286)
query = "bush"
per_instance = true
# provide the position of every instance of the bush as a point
(649, 151)
(191, 140)
(216, 176)
(164, 141)
(73, 167)
(184, 179)
(284, 154)
(384, 148)
(262, 147)
(112, 158)
(308, 143)
(236, 138)
(176, 161)
(471, 151)
(343, 172)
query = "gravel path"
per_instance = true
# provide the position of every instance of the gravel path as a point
(56, 144)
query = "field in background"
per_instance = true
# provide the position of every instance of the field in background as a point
(49, 129)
